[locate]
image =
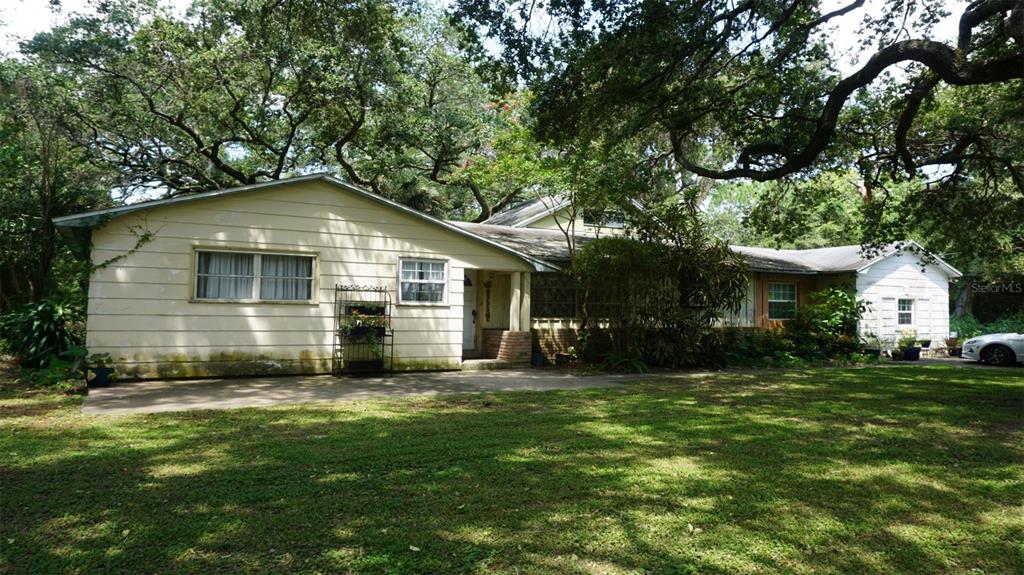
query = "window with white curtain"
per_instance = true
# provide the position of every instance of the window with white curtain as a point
(253, 276)
(421, 281)
(781, 301)
(286, 278)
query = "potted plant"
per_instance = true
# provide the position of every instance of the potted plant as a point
(906, 345)
(369, 324)
(95, 365)
(366, 353)
(871, 345)
(359, 324)
(925, 343)
(953, 347)
(365, 309)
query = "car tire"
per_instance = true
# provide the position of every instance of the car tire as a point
(998, 355)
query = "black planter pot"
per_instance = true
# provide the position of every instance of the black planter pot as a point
(364, 330)
(365, 365)
(365, 310)
(100, 376)
(872, 352)
(911, 353)
(954, 351)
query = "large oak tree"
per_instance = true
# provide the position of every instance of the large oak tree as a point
(752, 89)
(236, 92)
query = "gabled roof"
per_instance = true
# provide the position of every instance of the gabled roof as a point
(548, 245)
(838, 259)
(525, 213)
(551, 245)
(99, 217)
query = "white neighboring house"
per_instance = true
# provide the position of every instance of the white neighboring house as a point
(906, 288)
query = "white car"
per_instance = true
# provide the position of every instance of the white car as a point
(995, 349)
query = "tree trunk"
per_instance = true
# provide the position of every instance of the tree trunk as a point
(963, 304)
(47, 233)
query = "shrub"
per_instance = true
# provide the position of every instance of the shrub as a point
(834, 312)
(1009, 324)
(908, 338)
(663, 291)
(39, 332)
(967, 326)
(625, 362)
(761, 348)
(825, 330)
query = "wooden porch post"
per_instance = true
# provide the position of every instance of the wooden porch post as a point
(524, 304)
(514, 302)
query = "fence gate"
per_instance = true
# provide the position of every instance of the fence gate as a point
(364, 341)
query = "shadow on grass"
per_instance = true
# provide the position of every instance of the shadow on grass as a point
(828, 471)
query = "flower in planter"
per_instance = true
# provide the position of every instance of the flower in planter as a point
(908, 337)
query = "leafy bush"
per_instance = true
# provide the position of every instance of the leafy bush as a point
(827, 327)
(823, 331)
(625, 362)
(967, 326)
(761, 348)
(663, 291)
(39, 332)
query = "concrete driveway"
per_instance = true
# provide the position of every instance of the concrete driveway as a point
(158, 396)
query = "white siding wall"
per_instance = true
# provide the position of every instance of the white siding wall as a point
(901, 277)
(140, 309)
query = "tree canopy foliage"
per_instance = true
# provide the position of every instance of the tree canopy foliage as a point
(237, 92)
(604, 102)
(753, 90)
(44, 173)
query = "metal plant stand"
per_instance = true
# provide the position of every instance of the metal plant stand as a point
(364, 341)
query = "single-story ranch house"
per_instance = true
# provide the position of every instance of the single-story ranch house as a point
(243, 281)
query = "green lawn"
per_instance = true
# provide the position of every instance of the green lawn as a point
(904, 469)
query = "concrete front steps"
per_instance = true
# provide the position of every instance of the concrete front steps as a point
(483, 364)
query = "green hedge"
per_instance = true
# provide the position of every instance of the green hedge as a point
(967, 325)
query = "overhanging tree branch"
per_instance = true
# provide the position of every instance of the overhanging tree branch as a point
(936, 56)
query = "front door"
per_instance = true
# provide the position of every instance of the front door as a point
(469, 316)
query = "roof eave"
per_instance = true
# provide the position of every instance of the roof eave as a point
(950, 270)
(544, 214)
(91, 219)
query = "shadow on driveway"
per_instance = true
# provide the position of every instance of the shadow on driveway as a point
(159, 396)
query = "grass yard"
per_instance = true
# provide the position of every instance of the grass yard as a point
(914, 469)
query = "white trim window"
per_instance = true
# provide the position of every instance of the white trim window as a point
(905, 312)
(782, 299)
(422, 281)
(254, 276)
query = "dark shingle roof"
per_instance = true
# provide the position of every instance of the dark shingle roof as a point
(551, 246)
(548, 245)
(526, 212)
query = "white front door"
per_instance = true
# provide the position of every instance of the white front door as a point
(469, 316)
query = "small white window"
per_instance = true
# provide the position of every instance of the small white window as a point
(905, 312)
(781, 301)
(422, 281)
(245, 276)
